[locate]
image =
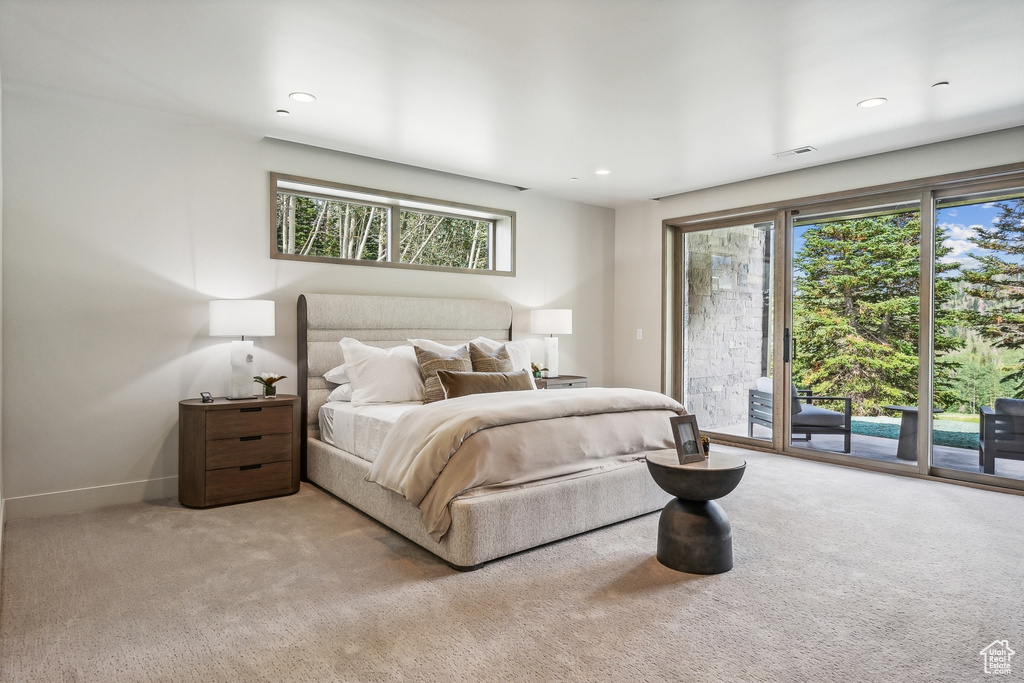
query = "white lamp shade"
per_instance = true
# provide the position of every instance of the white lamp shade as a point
(241, 318)
(551, 321)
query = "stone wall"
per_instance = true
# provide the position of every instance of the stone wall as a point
(725, 339)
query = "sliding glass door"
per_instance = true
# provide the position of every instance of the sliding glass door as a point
(979, 347)
(725, 291)
(889, 322)
(854, 332)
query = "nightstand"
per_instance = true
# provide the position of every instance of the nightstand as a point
(235, 451)
(562, 382)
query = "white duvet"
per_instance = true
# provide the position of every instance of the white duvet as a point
(433, 454)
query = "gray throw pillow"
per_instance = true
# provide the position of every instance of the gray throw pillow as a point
(500, 361)
(430, 362)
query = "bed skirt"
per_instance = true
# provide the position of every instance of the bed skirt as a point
(499, 523)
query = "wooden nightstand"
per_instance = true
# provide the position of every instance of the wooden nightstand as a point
(562, 382)
(234, 451)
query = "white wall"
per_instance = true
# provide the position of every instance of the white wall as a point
(2, 504)
(122, 225)
(638, 231)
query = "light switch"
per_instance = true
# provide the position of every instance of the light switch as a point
(639, 334)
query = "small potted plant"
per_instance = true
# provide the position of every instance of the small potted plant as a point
(268, 380)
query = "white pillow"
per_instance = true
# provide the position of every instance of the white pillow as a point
(382, 375)
(436, 347)
(341, 393)
(338, 375)
(518, 352)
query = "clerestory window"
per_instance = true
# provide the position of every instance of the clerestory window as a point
(321, 221)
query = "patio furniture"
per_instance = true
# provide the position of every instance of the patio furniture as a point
(808, 418)
(906, 447)
(1001, 433)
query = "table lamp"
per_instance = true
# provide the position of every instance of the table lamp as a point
(241, 318)
(551, 321)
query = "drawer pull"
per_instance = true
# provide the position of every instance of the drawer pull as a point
(250, 410)
(250, 467)
(249, 438)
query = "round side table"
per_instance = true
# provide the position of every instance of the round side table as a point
(694, 535)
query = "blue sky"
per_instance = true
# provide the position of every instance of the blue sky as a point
(959, 223)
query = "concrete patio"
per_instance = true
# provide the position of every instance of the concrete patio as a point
(881, 449)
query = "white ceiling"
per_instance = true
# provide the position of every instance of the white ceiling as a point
(668, 95)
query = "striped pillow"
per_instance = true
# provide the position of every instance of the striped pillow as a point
(500, 361)
(431, 362)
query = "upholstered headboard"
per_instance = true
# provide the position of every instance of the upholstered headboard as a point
(384, 321)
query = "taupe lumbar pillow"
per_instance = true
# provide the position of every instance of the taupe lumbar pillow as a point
(431, 362)
(455, 384)
(500, 361)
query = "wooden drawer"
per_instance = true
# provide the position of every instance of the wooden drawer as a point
(248, 421)
(217, 438)
(248, 450)
(233, 484)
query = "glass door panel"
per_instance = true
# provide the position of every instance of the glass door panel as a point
(854, 332)
(727, 314)
(979, 349)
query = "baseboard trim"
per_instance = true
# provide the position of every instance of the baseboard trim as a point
(80, 500)
(3, 517)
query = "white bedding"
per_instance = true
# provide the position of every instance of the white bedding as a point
(435, 454)
(360, 430)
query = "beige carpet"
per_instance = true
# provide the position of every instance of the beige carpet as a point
(841, 575)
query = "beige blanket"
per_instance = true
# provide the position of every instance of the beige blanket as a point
(433, 454)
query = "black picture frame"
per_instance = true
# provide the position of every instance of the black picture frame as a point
(689, 447)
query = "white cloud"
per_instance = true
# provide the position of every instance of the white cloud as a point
(966, 262)
(959, 247)
(950, 212)
(958, 231)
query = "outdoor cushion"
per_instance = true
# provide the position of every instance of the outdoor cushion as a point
(766, 385)
(1014, 407)
(814, 416)
(1010, 406)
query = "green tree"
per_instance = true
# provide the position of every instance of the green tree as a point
(999, 283)
(855, 313)
(977, 376)
(438, 240)
(312, 226)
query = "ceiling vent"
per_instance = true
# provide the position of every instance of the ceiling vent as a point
(794, 152)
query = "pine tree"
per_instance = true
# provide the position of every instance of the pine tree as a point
(999, 283)
(856, 311)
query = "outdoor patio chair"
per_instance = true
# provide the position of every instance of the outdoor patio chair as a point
(808, 418)
(1001, 433)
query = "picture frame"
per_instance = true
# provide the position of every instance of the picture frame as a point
(689, 445)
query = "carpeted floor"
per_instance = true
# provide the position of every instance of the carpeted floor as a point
(841, 575)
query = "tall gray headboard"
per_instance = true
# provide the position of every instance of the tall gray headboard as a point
(384, 321)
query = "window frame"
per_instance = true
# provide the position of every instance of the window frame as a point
(502, 233)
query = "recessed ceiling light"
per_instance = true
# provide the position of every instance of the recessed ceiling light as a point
(302, 97)
(872, 102)
(283, 112)
(573, 178)
(941, 84)
(602, 171)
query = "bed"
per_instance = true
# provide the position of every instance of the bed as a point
(481, 525)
